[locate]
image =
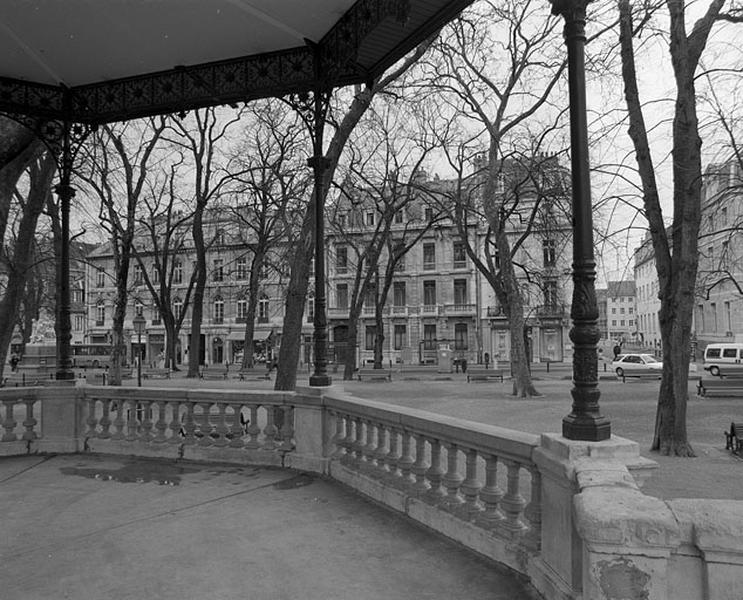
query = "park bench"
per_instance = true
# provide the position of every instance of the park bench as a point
(367, 373)
(722, 386)
(415, 372)
(483, 374)
(640, 375)
(253, 374)
(155, 373)
(213, 372)
(734, 438)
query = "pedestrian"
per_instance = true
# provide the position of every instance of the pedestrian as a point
(617, 350)
(14, 362)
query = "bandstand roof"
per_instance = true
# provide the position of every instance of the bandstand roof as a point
(98, 61)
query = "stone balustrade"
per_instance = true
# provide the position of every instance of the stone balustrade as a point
(568, 515)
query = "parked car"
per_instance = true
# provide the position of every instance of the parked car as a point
(627, 363)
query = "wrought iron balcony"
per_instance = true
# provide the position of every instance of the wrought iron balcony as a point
(555, 310)
(495, 311)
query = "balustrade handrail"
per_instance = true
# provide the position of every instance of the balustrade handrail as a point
(507, 443)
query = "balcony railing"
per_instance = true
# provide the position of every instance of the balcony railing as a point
(460, 309)
(495, 311)
(430, 309)
(399, 310)
(551, 310)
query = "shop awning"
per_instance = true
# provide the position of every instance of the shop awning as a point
(258, 336)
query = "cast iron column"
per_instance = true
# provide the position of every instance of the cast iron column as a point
(585, 421)
(319, 165)
(65, 192)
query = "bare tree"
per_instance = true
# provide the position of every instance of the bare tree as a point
(497, 92)
(116, 168)
(677, 254)
(200, 136)
(286, 377)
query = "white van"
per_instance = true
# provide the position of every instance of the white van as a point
(722, 356)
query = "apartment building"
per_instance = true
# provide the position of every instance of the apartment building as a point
(620, 310)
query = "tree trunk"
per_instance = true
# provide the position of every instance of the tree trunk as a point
(349, 352)
(197, 309)
(19, 264)
(296, 294)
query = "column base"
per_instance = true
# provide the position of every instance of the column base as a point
(324, 380)
(586, 429)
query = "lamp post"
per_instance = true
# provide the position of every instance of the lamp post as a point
(139, 322)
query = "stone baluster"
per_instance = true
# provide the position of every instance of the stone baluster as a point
(533, 511)
(287, 430)
(419, 467)
(452, 479)
(339, 437)
(380, 454)
(369, 462)
(491, 494)
(175, 425)
(161, 424)
(105, 421)
(221, 429)
(146, 421)
(270, 431)
(119, 422)
(92, 421)
(131, 421)
(406, 461)
(9, 423)
(189, 426)
(205, 426)
(237, 432)
(29, 422)
(358, 442)
(392, 472)
(435, 474)
(513, 502)
(471, 487)
(254, 429)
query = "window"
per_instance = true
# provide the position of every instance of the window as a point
(621, 323)
(177, 308)
(241, 271)
(460, 336)
(398, 293)
(341, 259)
(429, 293)
(370, 218)
(631, 323)
(341, 295)
(613, 322)
(341, 220)
(138, 308)
(242, 310)
(621, 311)
(428, 214)
(218, 270)
(100, 279)
(550, 294)
(548, 250)
(263, 306)
(155, 274)
(631, 310)
(371, 296)
(729, 353)
(713, 308)
(218, 310)
(100, 314)
(178, 272)
(399, 337)
(728, 317)
(700, 318)
(156, 317)
(724, 215)
(399, 216)
(79, 322)
(429, 257)
(613, 310)
(429, 336)
(460, 291)
(460, 255)
(137, 274)
(369, 336)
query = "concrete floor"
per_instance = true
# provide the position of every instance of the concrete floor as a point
(87, 527)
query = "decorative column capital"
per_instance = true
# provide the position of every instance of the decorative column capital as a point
(570, 10)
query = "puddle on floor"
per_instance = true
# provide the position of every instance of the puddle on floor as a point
(292, 483)
(134, 472)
